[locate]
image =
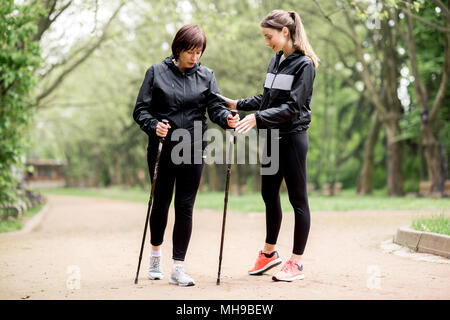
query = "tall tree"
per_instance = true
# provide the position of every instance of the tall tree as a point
(53, 11)
(430, 102)
(383, 94)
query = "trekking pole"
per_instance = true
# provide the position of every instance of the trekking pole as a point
(227, 187)
(150, 202)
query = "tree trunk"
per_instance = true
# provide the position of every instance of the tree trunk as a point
(432, 157)
(390, 120)
(394, 158)
(430, 147)
(324, 151)
(234, 180)
(256, 179)
(243, 176)
(212, 178)
(115, 173)
(366, 174)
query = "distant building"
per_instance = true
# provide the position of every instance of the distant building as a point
(46, 174)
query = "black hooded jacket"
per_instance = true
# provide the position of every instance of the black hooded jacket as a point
(181, 98)
(285, 103)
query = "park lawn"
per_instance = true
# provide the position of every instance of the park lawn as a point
(436, 223)
(17, 224)
(252, 202)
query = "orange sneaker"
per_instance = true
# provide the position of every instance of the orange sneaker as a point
(264, 262)
(289, 272)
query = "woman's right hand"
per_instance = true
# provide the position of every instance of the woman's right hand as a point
(231, 104)
(162, 129)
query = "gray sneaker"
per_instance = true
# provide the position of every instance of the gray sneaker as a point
(181, 278)
(154, 271)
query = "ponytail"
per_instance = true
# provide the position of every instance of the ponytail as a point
(278, 19)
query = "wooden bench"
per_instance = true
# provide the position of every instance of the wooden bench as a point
(425, 186)
(326, 189)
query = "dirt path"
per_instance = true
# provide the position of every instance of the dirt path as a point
(101, 239)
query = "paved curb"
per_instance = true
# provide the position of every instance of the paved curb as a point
(34, 222)
(426, 242)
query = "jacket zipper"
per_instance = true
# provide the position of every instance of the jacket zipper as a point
(276, 72)
(273, 80)
(182, 104)
(271, 85)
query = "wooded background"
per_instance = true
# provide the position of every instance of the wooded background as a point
(71, 70)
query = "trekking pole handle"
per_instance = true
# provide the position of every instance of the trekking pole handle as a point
(233, 113)
(166, 122)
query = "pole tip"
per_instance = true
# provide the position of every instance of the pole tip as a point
(218, 282)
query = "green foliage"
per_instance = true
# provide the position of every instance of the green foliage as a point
(88, 121)
(444, 129)
(19, 57)
(409, 124)
(430, 60)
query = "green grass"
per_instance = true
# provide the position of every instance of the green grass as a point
(114, 193)
(437, 224)
(252, 202)
(17, 224)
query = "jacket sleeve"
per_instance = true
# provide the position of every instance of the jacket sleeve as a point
(301, 90)
(254, 103)
(217, 110)
(141, 113)
(250, 104)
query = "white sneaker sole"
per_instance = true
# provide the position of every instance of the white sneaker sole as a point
(299, 277)
(175, 282)
(268, 266)
(155, 276)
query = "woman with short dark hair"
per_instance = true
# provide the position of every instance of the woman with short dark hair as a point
(180, 90)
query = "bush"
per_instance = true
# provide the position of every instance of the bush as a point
(19, 57)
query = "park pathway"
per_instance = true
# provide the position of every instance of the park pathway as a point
(87, 248)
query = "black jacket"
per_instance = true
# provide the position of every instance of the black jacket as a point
(284, 105)
(181, 98)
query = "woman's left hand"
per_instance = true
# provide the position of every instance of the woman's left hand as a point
(246, 124)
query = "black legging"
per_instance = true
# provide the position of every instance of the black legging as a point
(292, 167)
(187, 178)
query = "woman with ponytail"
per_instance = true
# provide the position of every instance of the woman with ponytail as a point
(284, 106)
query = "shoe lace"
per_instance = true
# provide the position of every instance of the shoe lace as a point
(260, 253)
(182, 274)
(155, 262)
(288, 266)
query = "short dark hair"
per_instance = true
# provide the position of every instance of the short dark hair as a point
(188, 37)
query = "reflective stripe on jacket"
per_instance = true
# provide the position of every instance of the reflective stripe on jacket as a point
(285, 103)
